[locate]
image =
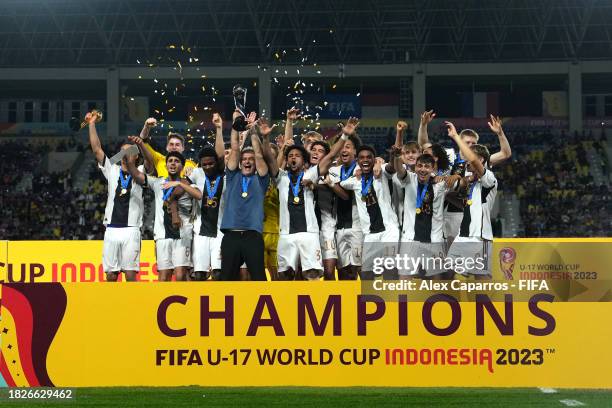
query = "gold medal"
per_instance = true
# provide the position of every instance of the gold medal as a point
(212, 202)
(296, 200)
(418, 210)
(469, 202)
(123, 191)
(364, 198)
(244, 194)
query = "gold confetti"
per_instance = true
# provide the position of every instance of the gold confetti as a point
(171, 46)
(334, 86)
(358, 93)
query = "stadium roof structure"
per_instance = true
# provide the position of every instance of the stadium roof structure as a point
(61, 33)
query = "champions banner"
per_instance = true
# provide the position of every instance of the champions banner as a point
(551, 330)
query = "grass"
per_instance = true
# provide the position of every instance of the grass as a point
(320, 397)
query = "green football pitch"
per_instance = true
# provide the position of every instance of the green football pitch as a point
(325, 397)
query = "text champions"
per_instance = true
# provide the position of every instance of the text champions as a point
(264, 317)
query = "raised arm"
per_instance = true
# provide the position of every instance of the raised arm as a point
(146, 154)
(292, 116)
(94, 140)
(400, 129)
(398, 166)
(233, 157)
(149, 124)
(347, 130)
(426, 118)
(260, 163)
(465, 150)
(138, 176)
(264, 130)
(219, 143)
(505, 152)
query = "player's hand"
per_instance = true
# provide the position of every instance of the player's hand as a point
(289, 142)
(495, 124)
(188, 171)
(264, 127)
(136, 140)
(377, 169)
(170, 184)
(452, 131)
(351, 126)
(427, 117)
(150, 123)
(293, 114)
(251, 117)
(401, 126)
(217, 121)
(90, 118)
(308, 184)
(357, 173)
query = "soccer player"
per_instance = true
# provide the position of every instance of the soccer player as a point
(242, 221)
(453, 214)
(298, 244)
(175, 143)
(209, 179)
(349, 235)
(423, 203)
(123, 213)
(378, 220)
(270, 224)
(475, 234)
(310, 137)
(324, 210)
(174, 216)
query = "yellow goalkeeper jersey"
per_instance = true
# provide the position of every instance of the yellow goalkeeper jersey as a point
(270, 224)
(159, 161)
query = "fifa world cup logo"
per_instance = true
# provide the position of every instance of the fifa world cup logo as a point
(507, 256)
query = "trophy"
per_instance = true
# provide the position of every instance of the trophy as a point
(239, 93)
(507, 256)
(76, 126)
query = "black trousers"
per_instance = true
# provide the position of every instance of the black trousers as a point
(238, 247)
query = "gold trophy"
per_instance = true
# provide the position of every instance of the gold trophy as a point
(74, 122)
(507, 257)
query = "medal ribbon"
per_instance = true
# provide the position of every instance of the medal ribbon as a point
(124, 183)
(168, 191)
(366, 183)
(245, 183)
(346, 174)
(209, 189)
(421, 192)
(295, 188)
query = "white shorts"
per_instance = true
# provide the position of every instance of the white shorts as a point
(207, 252)
(452, 224)
(121, 249)
(466, 252)
(301, 248)
(379, 245)
(349, 243)
(327, 239)
(430, 257)
(172, 253)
